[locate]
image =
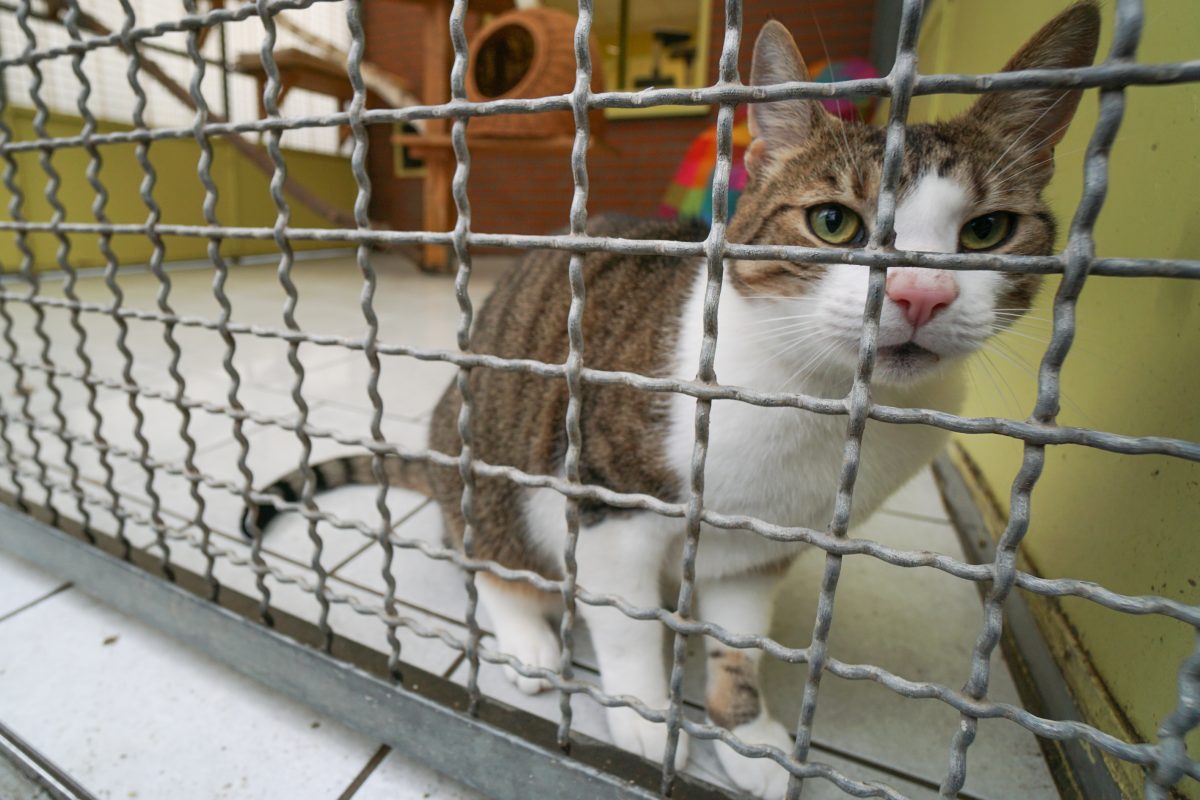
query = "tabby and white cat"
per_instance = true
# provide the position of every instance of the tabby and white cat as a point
(969, 184)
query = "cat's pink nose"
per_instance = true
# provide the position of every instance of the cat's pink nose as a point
(921, 292)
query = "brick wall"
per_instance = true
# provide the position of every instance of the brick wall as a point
(532, 194)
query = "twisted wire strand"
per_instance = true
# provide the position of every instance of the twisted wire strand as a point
(1052, 587)
(573, 369)
(1172, 763)
(1032, 432)
(461, 239)
(154, 214)
(62, 254)
(1080, 251)
(163, 301)
(190, 23)
(362, 201)
(221, 324)
(271, 94)
(111, 264)
(16, 204)
(1074, 78)
(715, 251)
(859, 401)
(1036, 265)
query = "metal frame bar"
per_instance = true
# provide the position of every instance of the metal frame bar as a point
(42, 777)
(1038, 677)
(513, 757)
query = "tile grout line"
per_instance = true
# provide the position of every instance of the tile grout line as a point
(238, 539)
(57, 590)
(383, 751)
(368, 769)
(367, 545)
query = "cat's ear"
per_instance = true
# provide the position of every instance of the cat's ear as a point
(777, 126)
(1039, 117)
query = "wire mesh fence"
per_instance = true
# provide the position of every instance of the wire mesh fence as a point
(36, 479)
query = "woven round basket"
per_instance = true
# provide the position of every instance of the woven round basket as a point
(524, 54)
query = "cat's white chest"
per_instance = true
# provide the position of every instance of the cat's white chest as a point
(780, 465)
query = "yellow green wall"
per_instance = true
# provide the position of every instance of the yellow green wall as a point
(244, 196)
(1131, 523)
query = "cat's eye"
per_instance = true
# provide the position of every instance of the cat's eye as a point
(836, 224)
(986, 231)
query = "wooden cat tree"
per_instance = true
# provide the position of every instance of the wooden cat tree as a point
(526, 53)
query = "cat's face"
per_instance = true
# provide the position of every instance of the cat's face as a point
(972, 184)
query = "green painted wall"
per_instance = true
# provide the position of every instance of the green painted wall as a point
(244, 197)
(1129, 523)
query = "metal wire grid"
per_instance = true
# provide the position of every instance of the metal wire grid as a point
(1166, 761)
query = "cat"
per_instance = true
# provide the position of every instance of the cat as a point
(972, 183)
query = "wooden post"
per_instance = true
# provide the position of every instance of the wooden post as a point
(438, 204)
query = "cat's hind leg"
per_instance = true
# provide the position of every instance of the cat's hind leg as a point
(519, 615)
(733, 696)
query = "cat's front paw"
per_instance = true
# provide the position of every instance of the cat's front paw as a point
(761, 777)
(535, 647)
(632, 732)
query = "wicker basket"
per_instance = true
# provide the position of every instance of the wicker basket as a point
(524, 54)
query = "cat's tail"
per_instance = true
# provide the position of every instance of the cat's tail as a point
(332, 474)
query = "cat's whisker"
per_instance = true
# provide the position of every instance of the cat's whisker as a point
(971, 376)
(782, 387)
(1006, 329)
(1006, 175)
(1042, 338)
(1038, 145)
(1028, 128)
(785, 341)
(809, 366)
(825, 359)
(1018, 314)
(770, 320)
(776, 350)
(793, 342)
(1023, 319)
(775, 355)
(801, 299)
(1042, 334)
(998, 379)
(1003, 319)
(849, 159)
(978, 360)
(780, 330)
(1005, 407)
(1015, 358)
(1008, 178)
(1030, 322)
(781, 320)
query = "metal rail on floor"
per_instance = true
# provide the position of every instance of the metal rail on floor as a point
(37, 776)
(504, 753)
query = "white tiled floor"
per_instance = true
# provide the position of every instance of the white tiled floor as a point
(136, 715)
